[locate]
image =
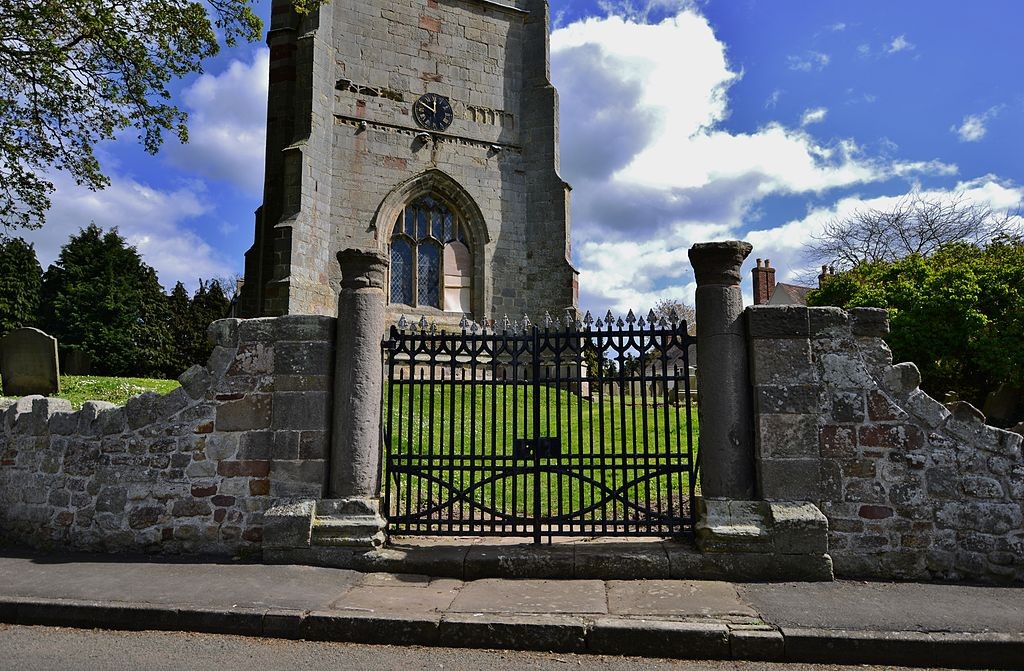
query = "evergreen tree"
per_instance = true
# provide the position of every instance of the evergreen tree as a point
(179, 308)
(20, 280)
(101, 298)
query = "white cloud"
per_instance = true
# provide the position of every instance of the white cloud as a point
(975, 126)
(815, 115)
(837, 27)
(227, 124)
(773, 99)
(900, 43)
(666, 173)
(811, 61)
(152, 220)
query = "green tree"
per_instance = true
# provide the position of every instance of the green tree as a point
(101, 298)
(958, 313)
(179, 309)
(20, 280)
(76, 72)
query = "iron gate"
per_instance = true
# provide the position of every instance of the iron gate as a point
(572, 429)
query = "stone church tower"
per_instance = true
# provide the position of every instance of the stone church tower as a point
(427, 130)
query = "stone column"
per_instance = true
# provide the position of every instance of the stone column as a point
(724, 405)
(355, 442)
(351, 516)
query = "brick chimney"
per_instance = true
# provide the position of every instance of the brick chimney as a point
(826, 273)
(764, 281)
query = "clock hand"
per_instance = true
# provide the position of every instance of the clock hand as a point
(432, 108)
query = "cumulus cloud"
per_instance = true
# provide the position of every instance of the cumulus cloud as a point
(227, 124)
(898, 44)
(815, 115)
(151, 219)
(974, 127)
(652, 167)
(810, 61)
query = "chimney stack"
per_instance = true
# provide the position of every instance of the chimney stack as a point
(826, 273)
(764, 282)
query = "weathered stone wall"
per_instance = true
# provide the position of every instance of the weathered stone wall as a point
(192, 471)
(910, 489)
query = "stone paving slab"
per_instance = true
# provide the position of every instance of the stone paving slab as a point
(431, 597)
(139, 581)
(492, 595)
(677, 598)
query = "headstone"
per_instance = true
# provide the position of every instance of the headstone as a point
(75, 362)
(28, 363)
(1002, 405)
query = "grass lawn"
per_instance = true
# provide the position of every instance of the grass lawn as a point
(81, 388)
(599, 467)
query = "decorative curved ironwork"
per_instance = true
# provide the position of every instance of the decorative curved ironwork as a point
(540, 428)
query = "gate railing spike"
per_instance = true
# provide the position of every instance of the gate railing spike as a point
(599, 324)
(526, 322)
(506, 324)
(630, 318)
(641, 323)
(673, 316)
(609, 318)
(464, 323)
(588, 319)
(433, 327)
(423, 323)
(548, 321)
(403, 323)
(651, 318)
(474, 328)
(620, 323)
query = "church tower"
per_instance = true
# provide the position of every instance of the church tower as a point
(425, 129)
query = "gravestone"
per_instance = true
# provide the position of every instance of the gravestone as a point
(28, 363)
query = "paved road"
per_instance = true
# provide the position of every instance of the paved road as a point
(46, 648)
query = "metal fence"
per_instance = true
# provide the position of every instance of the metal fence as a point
(578, 428)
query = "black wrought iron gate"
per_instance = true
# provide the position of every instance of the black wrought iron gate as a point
(557, 429)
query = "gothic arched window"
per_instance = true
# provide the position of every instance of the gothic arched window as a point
(431, 265)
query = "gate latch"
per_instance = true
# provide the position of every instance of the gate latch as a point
(536, 448)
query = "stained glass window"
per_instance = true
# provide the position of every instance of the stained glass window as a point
(419, 269)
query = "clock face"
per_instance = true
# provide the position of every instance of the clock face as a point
(433, 112)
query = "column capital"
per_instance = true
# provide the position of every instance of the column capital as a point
(718, 263)
(362, 268)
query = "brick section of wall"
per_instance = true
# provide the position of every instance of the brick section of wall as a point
(189, 472)
(910, 489)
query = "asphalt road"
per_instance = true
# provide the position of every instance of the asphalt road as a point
(49, 648)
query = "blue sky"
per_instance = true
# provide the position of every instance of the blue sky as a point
(682, 121)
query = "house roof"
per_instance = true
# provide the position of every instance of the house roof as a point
(789, 294)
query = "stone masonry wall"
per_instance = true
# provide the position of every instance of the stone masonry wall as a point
(189, 472)
(910, 489)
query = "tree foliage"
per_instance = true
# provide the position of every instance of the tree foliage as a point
(957, 313)
(189, 319)
(20, 281)
(916, 225)
(76, 72)
(101, 298)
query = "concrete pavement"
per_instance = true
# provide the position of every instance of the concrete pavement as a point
(842, 622)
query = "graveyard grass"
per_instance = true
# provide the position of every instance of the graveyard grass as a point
(117, 390)
(591, 433)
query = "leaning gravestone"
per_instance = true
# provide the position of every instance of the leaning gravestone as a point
(28, 363)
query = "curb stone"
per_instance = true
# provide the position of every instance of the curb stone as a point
(564, 633)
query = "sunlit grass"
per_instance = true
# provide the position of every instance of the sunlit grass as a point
(117, 390)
